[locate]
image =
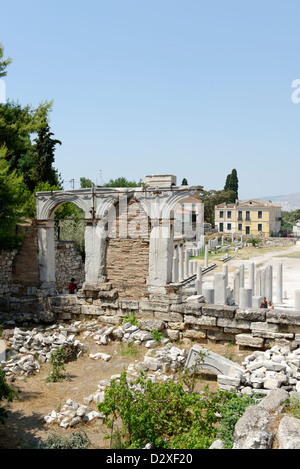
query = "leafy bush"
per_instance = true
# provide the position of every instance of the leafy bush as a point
(166, 415)
(156, 335)
(57, 362)
(293, 405)
(75, 440)
(231, 412)
(131, 318)
(6, 392)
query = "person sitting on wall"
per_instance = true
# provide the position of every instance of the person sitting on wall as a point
(264, 303)
(270, 305)
(73, 289)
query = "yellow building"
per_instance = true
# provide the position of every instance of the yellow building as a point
(251, 217)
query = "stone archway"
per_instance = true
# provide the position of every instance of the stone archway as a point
(156, 201)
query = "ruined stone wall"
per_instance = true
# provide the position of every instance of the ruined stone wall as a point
(19, 268)
(127, 266)
(127, 254)
(257, 329)
(6, 276)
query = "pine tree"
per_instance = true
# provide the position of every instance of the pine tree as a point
(3, 63)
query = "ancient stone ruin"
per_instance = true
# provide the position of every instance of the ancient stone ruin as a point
(138, 248)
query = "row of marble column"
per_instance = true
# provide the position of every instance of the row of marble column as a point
(259, 284)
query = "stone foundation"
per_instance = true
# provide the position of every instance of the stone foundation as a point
(201, 322)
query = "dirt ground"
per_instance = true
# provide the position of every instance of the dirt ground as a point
(25, 425)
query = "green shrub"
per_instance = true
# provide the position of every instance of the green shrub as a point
(75, 440)
(57, 362)
(293, 406)
(132, 319)
(166, 415)
(6, 392)
(156, 335)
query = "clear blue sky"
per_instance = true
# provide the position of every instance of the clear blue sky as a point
(186, 87)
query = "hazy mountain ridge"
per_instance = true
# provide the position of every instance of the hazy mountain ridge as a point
(288, 202)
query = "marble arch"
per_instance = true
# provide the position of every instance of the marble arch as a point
(158, 197)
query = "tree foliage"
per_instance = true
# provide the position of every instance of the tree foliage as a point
(25, 163)
(14, 196)
(232, 184)
(86, 183)
(43, 158)
(3, 62)
(288, 219)
(212, 198)
(122, 182)
(6, 392)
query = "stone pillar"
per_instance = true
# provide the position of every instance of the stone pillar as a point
(263, 282)
(225, 272)
(258, 289)
(95, 252)
(209, 294)
(269, 283)
(186, 263)
(160, 256)
(220, 289)
(297, 300)
(199, 280)
(251, 276)
(279, 283)
(206, 256)
(175, 267)
(245, 298)
(180, 263)
(46, 254)
(242, 275)
(236, 287)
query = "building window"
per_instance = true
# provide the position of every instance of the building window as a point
(259, 227)
(228, 226)
(229, 214)
(247, 215)
(259, 214)
(240, 215)
(221, 214)
(240, 227)
(221, 227)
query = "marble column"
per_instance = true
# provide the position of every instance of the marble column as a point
(206, 256)
(220, 289)
(46, 254)
(279, 283)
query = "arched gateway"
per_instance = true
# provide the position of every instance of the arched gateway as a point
(113, 215)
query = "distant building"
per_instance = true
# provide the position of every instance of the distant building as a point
(250, 217)
(296, 229)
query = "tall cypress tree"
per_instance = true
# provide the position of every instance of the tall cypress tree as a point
(43, 158)
(232, 183)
